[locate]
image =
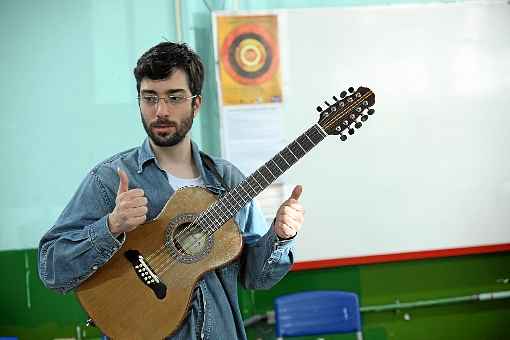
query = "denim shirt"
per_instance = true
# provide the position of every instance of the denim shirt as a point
(80, 241)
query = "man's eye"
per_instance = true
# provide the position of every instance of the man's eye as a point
(175, 99)
(150, 99)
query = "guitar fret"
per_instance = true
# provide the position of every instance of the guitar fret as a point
(247, 181)
(304, 151)
(292, 153)
(305, 142)
(206, 215)
(241, 186)
(209, 225)
(311, 141)
(215, 216)
(317, 134)
(288, 156)
(239, 205)
(258, 172)
(321, 131)
(255, 179)
(220, 202)
(270, 174)
(296, 149)
(276, 164)
(230, 203)
(282, 165)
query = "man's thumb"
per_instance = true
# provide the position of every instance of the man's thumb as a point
(296, 193)
(123, 184)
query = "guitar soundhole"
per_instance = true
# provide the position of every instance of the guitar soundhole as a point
(187, 240)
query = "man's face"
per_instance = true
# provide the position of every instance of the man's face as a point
(168, 121)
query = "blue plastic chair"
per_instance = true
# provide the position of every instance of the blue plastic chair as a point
(317, 312)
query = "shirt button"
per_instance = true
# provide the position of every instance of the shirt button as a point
(94, 267)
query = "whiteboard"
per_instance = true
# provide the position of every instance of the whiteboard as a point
(431, 169)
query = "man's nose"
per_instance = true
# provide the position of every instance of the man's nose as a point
(163, 109)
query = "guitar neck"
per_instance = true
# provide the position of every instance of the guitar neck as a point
(228, 205)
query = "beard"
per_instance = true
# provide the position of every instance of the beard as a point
(168, 139)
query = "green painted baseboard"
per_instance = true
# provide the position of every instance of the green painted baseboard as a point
(32, 312)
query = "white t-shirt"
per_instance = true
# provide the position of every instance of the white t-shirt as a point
(177, 182)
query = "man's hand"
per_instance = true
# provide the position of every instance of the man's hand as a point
(130, 207)
(290, 215)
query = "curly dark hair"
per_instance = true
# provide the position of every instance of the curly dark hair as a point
(162, 60)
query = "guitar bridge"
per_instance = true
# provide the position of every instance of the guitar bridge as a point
(145, 273)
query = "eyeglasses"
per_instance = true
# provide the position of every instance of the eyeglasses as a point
(151, 100)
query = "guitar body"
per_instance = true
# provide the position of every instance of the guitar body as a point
(126, 305)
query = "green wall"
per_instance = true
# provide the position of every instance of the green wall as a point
(68, 101)
(30, 311)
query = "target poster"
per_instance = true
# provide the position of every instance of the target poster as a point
(249, 59)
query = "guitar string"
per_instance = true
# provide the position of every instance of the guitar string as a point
(212, 230)
(244, 200)
(279, 154)
(236, 195)
(163, 247)
(250, 185)
(170, 263)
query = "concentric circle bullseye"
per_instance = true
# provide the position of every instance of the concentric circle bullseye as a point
(250, 55)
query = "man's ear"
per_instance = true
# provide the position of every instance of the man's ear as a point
(196, 105)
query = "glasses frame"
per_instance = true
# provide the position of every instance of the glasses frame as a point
(166, 99)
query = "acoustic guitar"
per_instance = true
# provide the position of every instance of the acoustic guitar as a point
(144, 291)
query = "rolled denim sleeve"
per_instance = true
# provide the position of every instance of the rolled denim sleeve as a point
(265, 259)
(80, 241)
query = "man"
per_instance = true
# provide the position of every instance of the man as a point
(132, 187)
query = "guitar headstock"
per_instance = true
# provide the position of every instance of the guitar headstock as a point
(344, 112)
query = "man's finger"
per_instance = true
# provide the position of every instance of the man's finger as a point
(123, 181)
(296, 192)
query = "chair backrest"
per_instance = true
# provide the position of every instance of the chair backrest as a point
(317, 312)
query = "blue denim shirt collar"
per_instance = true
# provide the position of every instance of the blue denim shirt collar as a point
(211, 182)
(145, 155)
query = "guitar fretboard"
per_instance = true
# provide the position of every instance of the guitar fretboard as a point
(228, 205)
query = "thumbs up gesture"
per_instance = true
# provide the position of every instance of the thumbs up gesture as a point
(290, 215)
(130, 207)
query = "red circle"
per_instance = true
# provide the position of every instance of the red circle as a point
(250, 28)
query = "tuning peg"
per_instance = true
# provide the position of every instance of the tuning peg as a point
(343, 94)
(335, 98)
(343, 138)
(319, 109)
(350, 89)
(351, 131)
(371, 111)
(358, 125)
(326, 103)
(364, 118)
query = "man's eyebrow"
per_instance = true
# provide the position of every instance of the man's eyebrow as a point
(148, 92)
(174, 91)
(169, 92)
